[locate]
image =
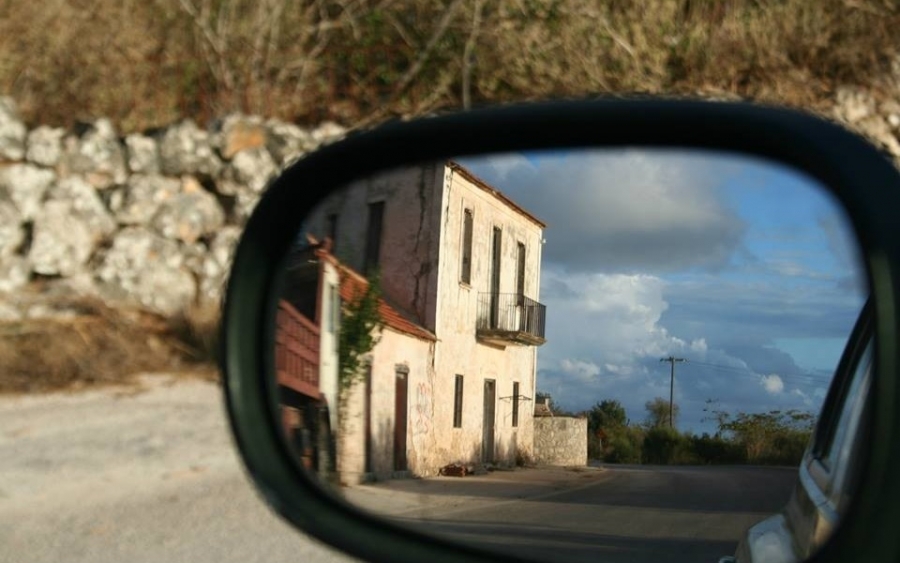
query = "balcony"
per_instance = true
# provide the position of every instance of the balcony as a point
(510, 318)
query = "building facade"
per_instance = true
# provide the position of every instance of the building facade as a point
(461, 261)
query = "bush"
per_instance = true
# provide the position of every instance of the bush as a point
(624, 445)
(714, 450)
(663, 446)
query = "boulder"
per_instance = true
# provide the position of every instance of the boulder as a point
(12, 131)
(287, 142)
(250, 169)
(97, 154)
(142, 154)
(67, 229)
(186, 149)
(11, 232)
(45, 147)
(147, 269)
(15, 272)
(328, 132)
(189, 215)
(138, 201)
(238, 133)
(217, 264)
(25, 185)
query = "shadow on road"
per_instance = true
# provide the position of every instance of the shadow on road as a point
(547, 543)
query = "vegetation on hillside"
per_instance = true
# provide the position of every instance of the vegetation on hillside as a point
(146, 64)
(766, 438)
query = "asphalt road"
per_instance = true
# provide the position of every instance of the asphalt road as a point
(120, 475)
(625, 513)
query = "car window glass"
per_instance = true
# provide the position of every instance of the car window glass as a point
(838, 450)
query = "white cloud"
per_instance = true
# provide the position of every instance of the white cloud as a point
(580, 369)
(625, 209)
(773, 383)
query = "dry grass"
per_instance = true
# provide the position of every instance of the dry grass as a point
(148, 63)
(100, 345)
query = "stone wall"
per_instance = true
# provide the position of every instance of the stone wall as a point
(560, 440)
(152, 218)
(149, 218)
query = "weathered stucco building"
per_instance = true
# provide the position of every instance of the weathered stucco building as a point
(461, 261)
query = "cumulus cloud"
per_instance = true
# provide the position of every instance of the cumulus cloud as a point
(772, 383)
(580, 369)
(625, 210)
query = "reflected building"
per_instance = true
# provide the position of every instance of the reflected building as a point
(453, 376)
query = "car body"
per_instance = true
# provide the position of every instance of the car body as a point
(827, 473)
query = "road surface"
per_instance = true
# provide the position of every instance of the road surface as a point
(119, 475)
(619, 513)
(151, 475)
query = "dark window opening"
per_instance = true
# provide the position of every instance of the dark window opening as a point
(457, 402)
(520, 275)
(331, 223)
(373, 234)
(468, 222)
(515, 404)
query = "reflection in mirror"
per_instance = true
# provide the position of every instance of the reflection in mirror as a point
(604, 355)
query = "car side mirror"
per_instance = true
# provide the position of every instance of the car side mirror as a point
(393, 297)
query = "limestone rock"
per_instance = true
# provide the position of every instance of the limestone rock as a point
(240, 133)
(853, 104)
(217, 264)
(142, 154)
(97, 154)
(148, 269)
(328, 132)
(186, 149)
(188, 216)
(62, 242)
(11, 232)
(12, 131)
(15, 272)
(69, 226)
(878, 130)
(249, 170)
(138, 201)
(25, 185)
(287, 142)
(86, 204)
(45, 146)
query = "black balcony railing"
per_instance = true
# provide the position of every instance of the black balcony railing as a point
(510, 317)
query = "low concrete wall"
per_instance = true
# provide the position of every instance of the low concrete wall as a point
(560, 440)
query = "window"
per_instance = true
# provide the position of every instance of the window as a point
(457, 402)
(466, 269)
(373, 236)
(515, 398)
(331, 223)
(520, 275)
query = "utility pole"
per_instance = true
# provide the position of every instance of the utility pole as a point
(672, 360)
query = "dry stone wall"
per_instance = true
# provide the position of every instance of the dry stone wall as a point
(147, 219)
(560, 440)
(152, 218)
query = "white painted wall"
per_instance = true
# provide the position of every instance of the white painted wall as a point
(420, 267)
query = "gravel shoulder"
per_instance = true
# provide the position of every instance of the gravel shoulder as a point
(137, 473)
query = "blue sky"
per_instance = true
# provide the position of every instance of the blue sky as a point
(745, 268)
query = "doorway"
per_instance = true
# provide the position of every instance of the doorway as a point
(487, 441)
(401, 408)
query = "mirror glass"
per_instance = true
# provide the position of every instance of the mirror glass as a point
(569, 355)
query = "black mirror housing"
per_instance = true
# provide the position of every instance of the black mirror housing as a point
(865, 183)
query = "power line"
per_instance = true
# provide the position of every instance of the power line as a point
(795, 377)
